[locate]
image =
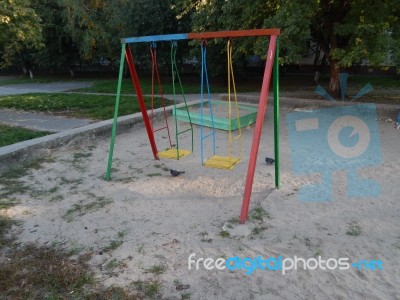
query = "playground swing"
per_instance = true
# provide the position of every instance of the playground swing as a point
(218, 161)
(176, 152)
(156, 75)
(271, 67)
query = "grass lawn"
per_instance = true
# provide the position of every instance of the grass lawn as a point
(99, 107)
(191, 85)
(250, 83)
(110, 86)
(11, 135)
(377, 81)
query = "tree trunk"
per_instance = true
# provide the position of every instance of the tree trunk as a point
(334, 82)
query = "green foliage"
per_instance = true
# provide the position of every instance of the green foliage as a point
(224, 234)
(354, 229)
(348, 32)
(240, 14)
(295, 20)
(20, 30)
(98, 26)
(367, 31)
(60, 50)
(65, 32)
(156, 269)
(149, 289)
(259, 214)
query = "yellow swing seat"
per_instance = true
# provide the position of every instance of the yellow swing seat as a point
(222, 162)
(174, 153)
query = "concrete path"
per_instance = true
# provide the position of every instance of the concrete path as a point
(51, 87)
(36, 120)
(46, 122)
(39, 121)
(51, 123)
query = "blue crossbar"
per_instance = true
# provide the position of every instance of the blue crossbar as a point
(155, 38)
(208, 135)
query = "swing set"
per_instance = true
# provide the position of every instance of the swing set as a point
(218, 161)
(174, 151)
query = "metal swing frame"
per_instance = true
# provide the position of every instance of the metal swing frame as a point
(272, 66)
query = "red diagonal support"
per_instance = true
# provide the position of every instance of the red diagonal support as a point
(262, 106)
(139, 94)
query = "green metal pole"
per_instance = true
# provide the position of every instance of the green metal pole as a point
(173, 65)
(114, 127)
(276, 115)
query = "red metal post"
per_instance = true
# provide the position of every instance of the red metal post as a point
(262, 106)
(139, 94)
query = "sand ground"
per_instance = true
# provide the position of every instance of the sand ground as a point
(144, 219)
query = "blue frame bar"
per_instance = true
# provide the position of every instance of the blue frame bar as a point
(156, 38)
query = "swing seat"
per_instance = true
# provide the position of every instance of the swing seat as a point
(174, 153)
(221, 162)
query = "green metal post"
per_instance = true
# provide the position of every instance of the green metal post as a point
(114, 127)
(175, 75)
(276, 115)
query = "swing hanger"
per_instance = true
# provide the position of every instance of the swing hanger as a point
(228, 162)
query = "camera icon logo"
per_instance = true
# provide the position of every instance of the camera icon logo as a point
(360, 132)
(325, 141)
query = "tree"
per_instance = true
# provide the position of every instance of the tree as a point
(216, 15)
(347, 31)
(89, 25)
(97, 26)
(20, 32)
(60, 50)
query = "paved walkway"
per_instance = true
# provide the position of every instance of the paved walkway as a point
(39, 121)
(51, 123)
(36, 120)
(47, 122)
(51, 87)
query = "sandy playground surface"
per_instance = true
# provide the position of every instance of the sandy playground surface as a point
(144, 224)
